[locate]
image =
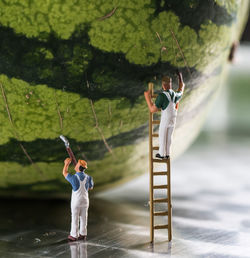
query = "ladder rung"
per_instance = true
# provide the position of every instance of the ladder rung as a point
(160, 173)
(160, 160)
(156, 148)
(161, 213)
(155, 135)
(161, 200)
(160, 186)
(156, 122)
(160, 226)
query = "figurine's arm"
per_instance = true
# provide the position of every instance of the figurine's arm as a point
(66, 166)
(91, 183)
(181, 83)
(181, 88)
(152, 107)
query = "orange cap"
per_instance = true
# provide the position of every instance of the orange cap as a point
(83, 163)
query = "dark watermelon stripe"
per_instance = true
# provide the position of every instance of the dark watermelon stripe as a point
(54, 151)
(189, 12)
(26, 61)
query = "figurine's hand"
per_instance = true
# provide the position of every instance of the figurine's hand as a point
(67, 161)
(179, 74)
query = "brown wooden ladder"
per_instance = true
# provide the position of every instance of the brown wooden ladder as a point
(166, 174)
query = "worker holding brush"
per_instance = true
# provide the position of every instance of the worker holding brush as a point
(167, 102)
(81, 184)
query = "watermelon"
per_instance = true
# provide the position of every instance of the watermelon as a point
(79, 68)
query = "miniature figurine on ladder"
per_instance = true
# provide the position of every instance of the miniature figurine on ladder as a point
(168, 102)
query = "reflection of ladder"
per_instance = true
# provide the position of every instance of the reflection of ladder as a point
(166, 173)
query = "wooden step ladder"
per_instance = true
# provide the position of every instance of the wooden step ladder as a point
(166, 173)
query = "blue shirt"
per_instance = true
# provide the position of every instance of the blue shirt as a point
(73, 179)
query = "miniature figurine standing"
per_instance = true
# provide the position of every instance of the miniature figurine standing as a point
(167, 101)
(81, 184)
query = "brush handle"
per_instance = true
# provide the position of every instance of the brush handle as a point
(70, 152)
(71, 155)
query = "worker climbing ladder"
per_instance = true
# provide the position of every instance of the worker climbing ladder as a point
(167, 213)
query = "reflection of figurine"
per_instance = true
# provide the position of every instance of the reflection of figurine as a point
(81, 183)
(167, 101)
(78, 250)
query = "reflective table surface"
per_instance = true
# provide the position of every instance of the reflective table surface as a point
(211, 213)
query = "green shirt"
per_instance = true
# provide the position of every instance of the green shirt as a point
(162, 100)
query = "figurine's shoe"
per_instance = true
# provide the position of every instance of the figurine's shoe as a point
(81, 237)
(159, 156)
(166, 157)
(70, 238)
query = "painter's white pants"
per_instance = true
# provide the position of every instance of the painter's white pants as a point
(165, 140)
(79, 214)
(167, 124)
(79, 210)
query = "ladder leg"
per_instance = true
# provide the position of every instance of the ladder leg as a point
(151, 182)
(169, 202)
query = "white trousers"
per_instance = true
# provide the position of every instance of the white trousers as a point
(79, 214)
(165, 139)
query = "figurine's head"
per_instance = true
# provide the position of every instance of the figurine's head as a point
(166, 83)
(81, 165)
